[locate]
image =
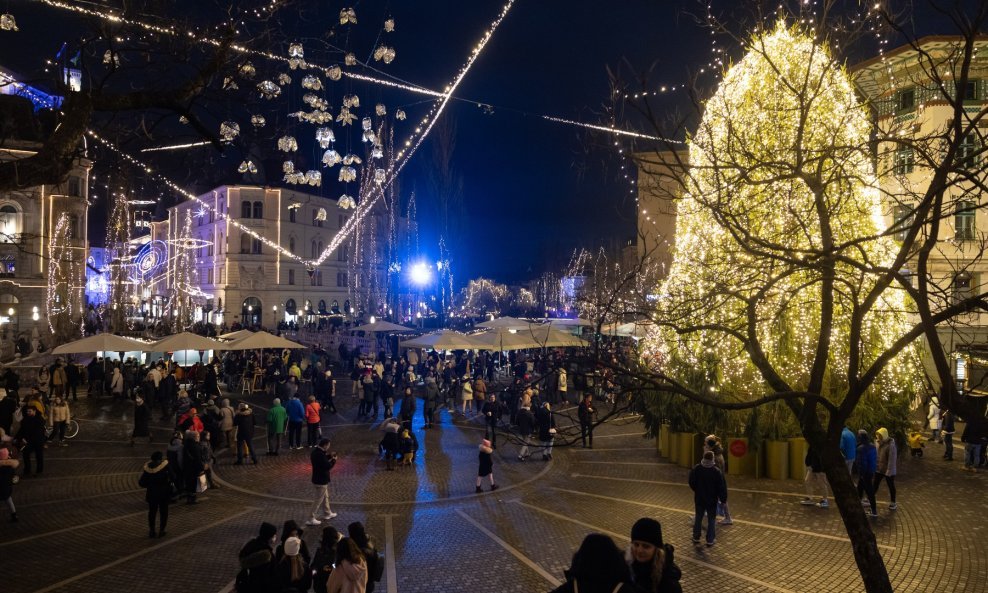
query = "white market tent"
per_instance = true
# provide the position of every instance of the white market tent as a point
(383, 326)
(186, 341)
(506, 323)
(261, 340)
(103, 343)
(443, 340)
(237, 335)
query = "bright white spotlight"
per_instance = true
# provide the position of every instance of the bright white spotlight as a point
(420, 274)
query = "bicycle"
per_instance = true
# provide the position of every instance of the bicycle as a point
(71, 429)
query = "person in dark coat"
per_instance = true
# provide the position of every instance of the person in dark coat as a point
(547, 429)
(257, 562)
(193, 464)
(709, 487)
(322, 464)
(486, 465)
(324, 559)
(32, 434)
(8, 467)
(430, 401)
(157, 482)
(244, 421)
(407, 408)
(12, 383)
(142, 420)
(525, 420)
(72, 377)
(8, 405)
(586, 413)
(653, 569)
(597, 567)
(492, 411)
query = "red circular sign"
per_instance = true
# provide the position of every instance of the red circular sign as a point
(738, 448)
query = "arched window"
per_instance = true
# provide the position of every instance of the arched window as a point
(255, 246)
(251, 311)
(245, 209)
(291, 214)
(290, 307)
(322, 306)
(10, 223)
(336, 306)
(315, 253)
(319, 252)
(258, 209)
(244, 243)
(291, 244)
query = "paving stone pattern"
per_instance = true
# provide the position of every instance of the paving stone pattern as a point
(83, 525)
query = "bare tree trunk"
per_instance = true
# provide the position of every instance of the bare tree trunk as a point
(866, 554)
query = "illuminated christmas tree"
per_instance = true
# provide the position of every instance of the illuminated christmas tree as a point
(778, 237)
(118, 255)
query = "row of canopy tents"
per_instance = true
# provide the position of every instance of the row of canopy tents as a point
(242, 340)
(506, 333)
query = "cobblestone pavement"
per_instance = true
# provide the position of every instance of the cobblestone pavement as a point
(82, 525)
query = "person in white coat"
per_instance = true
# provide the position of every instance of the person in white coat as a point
(934, 418)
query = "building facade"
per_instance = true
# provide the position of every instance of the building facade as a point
(913, 91)
(231, 275)
(43, 240)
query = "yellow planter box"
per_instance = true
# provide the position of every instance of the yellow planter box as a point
(777, 459)
(663, 440)
(740, 457)
(688, 453)
(797, 457)
(673, 447)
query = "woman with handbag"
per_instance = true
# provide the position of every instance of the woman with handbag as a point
(193, 466)
(547, 429)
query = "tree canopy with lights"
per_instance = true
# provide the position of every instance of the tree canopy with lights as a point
(778, 234)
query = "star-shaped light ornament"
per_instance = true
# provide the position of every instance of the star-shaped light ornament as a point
(8, 22)
(345, 117)
(268, 89)
(348, 16)
(229, 130)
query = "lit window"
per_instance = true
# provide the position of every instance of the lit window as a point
(904, 160)
(962, 287)
(903, 217)
(905, 100)
(967, 152)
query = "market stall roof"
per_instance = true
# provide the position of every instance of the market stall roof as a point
(240, 333)
(383, 326)
(443, 340)
(103, 343)
(186, 341)
(260, 340)
(506, 322)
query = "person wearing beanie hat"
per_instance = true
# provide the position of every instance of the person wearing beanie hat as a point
(709, 487)
(8, 467)
(486, 469)
(651, 561)
(156, 479)
(257, 562)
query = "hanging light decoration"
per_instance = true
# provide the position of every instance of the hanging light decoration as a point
(312, 82)
(350, 59)
(268, 89)
(313, 178)
(345, 117)
(321, 214)
(315, 101)
(380, 110)
(348, 15)
(287, 144)
(384, 53)
(284, 79)
(288, 167)
(229, 130)
(379, 176)
(296, 56)
(8, 23)
(348, 174)
(377, 152)
(258, 121)
(352, 159)
(346, 202)
(389, 26)
(352, 101)
(400, 115)
(247, 167)
(334, 72)
(324, 136)
(247, 70)
(229, 84)
(331, 158)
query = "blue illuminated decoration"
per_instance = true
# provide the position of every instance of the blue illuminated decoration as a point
(149, 261)
(97, 277)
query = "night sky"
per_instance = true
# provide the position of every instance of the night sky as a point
(532, 189)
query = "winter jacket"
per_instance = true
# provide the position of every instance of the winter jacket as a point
(117, 383)
(867, 459)
(546, 423)
(466, 392)
(348, 578)
(813, 460)
(525, 421)
(60, 413)
(408, 408)
(588, 586)
(244, 421)
(431, 395)
(848, 444)
(322, 463)
(295, 409)
(492, 412)
(256, 567)
(32, 429)
(887, 453)
(312, 413)
(708, 484)
(277, 419)
(641, 574)
(586, 412)
(157, 481)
